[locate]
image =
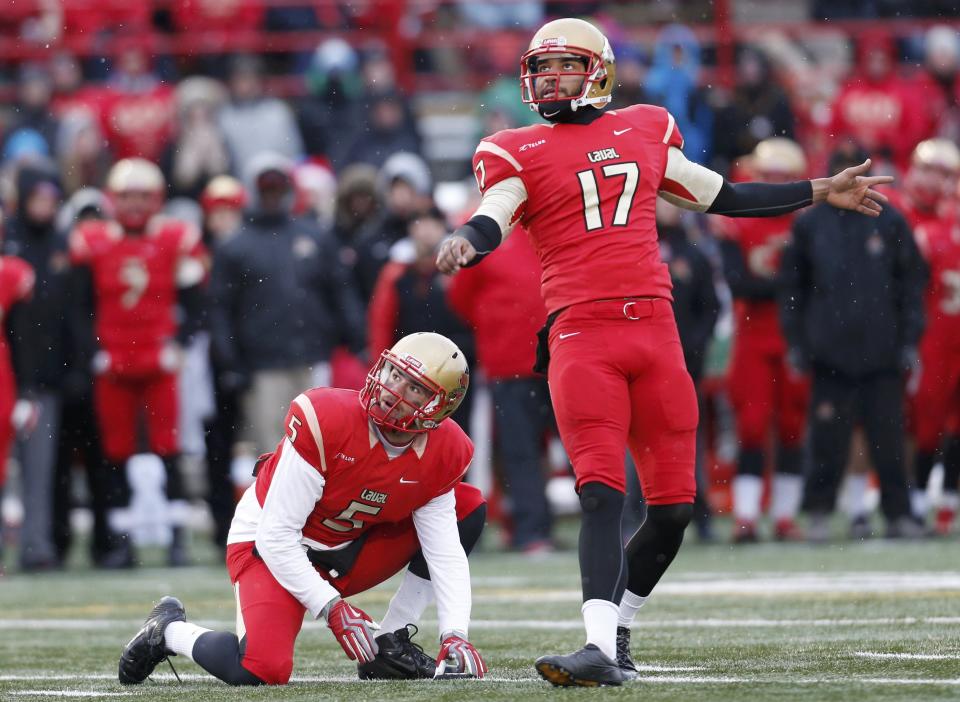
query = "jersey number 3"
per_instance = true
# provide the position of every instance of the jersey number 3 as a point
(630, 172)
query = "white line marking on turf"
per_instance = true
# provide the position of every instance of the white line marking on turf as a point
(68, 693)
(340, 679)
(555, 625)
(908, 656)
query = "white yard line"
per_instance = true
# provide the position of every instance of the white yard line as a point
(551, 625)
(340, 679)
(908, 656)
(68, 693)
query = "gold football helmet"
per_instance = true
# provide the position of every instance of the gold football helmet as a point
(136, 189)
(428, 359)
(570, 37)
(779, 155)
(135, 174)
(937, 153)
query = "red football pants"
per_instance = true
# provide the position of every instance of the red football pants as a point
(762, 390)
(272, 617)
(937, 399)
(617, 379)
(118, 402)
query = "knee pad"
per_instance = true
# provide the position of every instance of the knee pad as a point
(599, 498)
(674, 518)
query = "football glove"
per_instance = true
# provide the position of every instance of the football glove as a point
(353, 630)
(459, 658)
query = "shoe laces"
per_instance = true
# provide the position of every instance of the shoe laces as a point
(406, 636)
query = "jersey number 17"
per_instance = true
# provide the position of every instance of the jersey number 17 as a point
(630, 172)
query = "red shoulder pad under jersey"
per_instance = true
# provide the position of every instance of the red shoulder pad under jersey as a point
(16, 280)
(455, 451)
(502, 155)
(652, 122)
(89, 238)
(315, 423)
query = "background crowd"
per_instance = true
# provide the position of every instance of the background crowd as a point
(323, 178)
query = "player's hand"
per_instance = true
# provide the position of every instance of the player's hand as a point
(25, 416)
(459, 657)
(850, 189)
(353, 629)
(455, 253)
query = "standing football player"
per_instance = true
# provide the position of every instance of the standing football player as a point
(16, 284)
(584, 187)
(929, 205)
(354, 491)
(765, 392)
(136, 264)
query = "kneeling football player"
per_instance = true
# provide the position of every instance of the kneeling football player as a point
(355, 491)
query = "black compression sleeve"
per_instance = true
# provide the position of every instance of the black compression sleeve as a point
(484, 233)
(761, 199)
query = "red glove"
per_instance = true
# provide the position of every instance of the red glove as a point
(354, 630)
(458, 656)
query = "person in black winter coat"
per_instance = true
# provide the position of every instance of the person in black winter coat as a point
(851, 303)
(40, 335)
(281, 301)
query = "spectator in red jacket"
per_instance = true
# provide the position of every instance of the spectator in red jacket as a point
(873, 107)
(502, 303)
(410, 295)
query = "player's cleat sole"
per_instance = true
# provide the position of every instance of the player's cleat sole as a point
(146, 649)
(588, 667)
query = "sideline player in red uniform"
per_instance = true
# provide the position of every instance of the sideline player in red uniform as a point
(766, 394)
(16, 283)
(928, 203)
(584, 187)
(354, 492)
(137, 264)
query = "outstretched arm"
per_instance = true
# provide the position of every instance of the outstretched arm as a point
(694, 187)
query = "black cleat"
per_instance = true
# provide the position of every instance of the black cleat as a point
(398, 658)
(146, 649)
(627, 667)
(588, 667)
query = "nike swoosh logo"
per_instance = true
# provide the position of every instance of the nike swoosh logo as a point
(551, 114)
(567, 336)
(618, 132)
(406, 482)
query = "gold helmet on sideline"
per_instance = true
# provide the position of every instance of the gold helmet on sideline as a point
(779, 155)
(433, 361)
(135, 174)
(575, 38)
(937, 153)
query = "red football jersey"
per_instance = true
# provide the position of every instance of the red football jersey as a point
(591, 193)
(363, 486)
(135, 279)
(761, 241)
(940, 244)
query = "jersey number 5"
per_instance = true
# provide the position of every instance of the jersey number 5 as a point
(630, 172)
